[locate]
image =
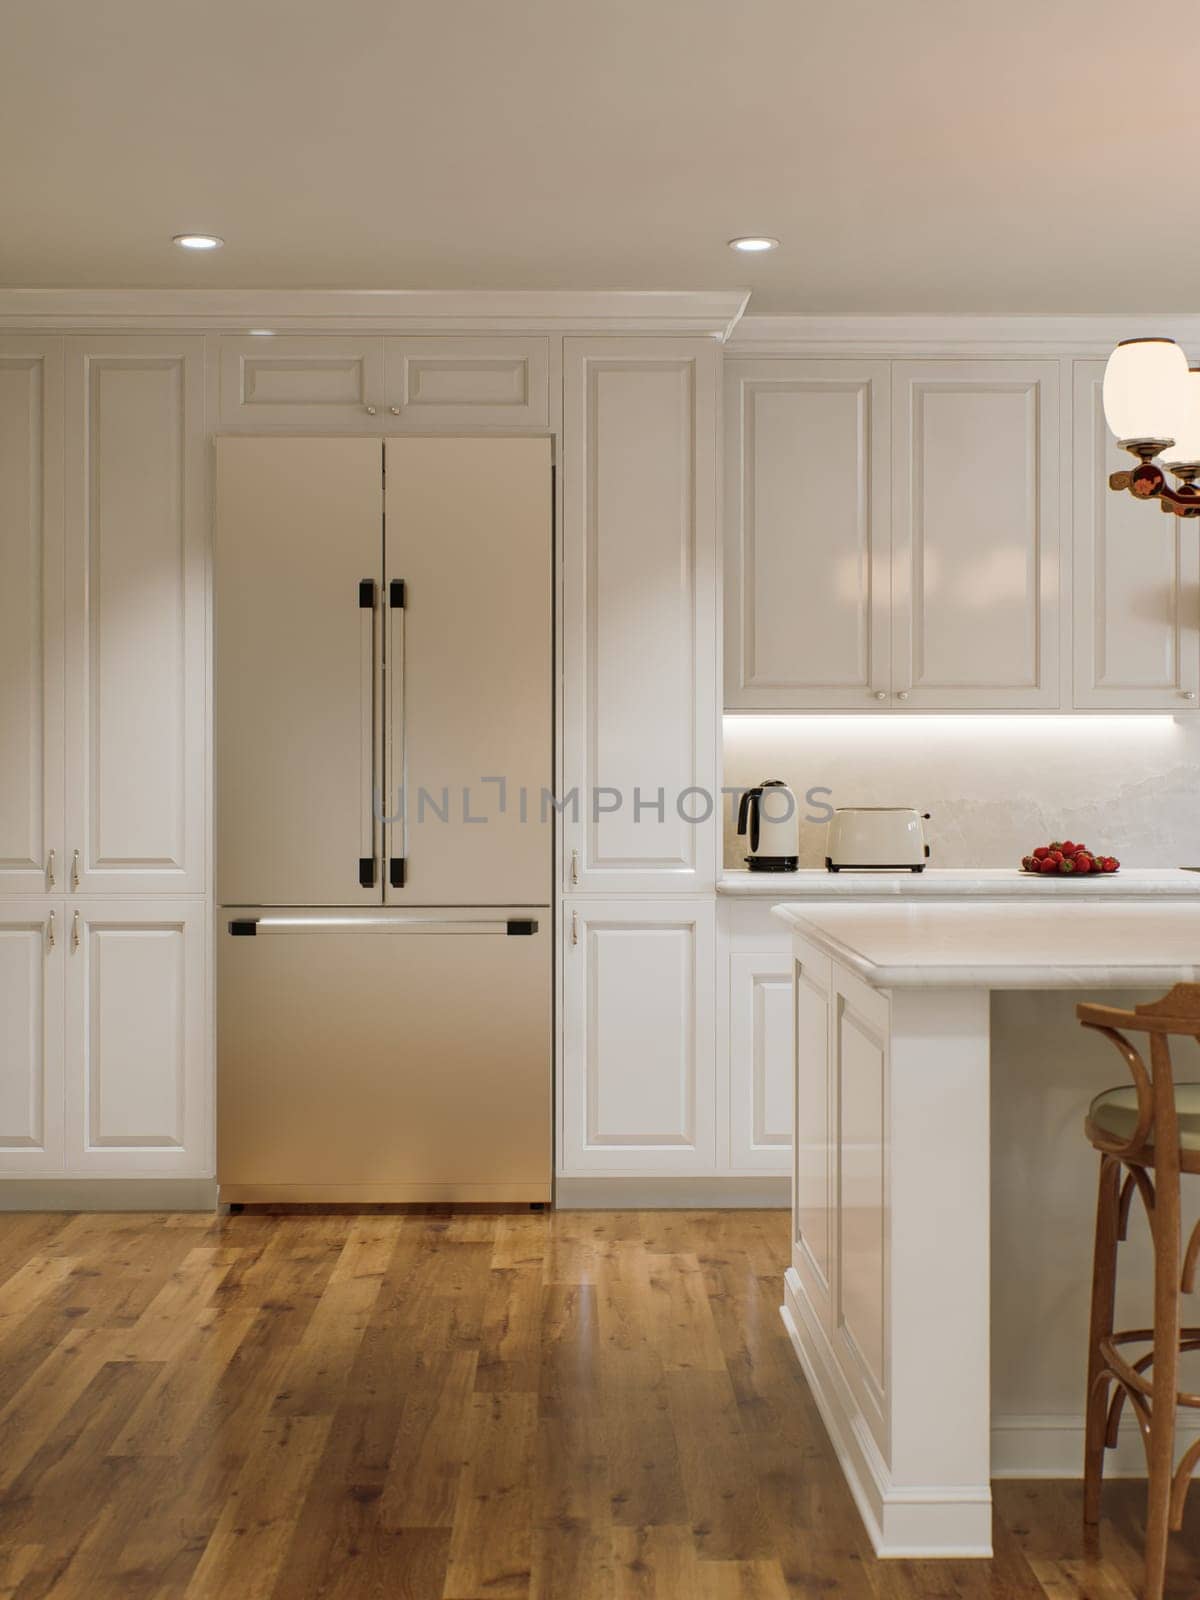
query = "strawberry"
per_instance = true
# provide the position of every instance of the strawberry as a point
(1055, 844)
(1056, 855)
(1069, 849)
(1049, 865)
(1041, 852)
(1028, 864)
(1082, 863)
(1108, 864)
(1067, 864)
(1115, 862)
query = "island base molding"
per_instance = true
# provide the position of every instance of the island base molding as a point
(909, 1520)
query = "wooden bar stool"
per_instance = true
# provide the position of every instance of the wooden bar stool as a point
(1150, 1131)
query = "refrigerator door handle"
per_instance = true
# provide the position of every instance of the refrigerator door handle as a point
(396, 757)
(507, 927)
(367, 589)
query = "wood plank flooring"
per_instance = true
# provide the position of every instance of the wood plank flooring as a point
(452, 1406)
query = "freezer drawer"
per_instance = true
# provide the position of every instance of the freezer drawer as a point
(384, 1056)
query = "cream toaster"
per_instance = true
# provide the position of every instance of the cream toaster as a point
(879, 837)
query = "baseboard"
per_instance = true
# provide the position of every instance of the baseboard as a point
(633, 1193)
(108, 1194)
(1051, 1446)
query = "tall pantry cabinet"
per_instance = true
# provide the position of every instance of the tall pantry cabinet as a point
(640, 826)
(103, 758)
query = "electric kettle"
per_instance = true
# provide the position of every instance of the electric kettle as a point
(769, 820)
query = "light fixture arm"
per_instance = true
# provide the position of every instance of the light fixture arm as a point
(1147, 481)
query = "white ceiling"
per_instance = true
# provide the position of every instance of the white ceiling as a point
(912, 155)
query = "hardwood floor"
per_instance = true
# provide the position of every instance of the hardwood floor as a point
(581, 1406)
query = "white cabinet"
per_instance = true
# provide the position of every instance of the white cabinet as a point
(639, 1032)
(760, 1061)
(32, 944)
(975, 530)
(639, 626)
(377, 385)
(138, 1083)
(301, 383)
(453, 382)
(137, 567)
(31, 614)
(807, 534)
(814, 1166)
(1136, 579)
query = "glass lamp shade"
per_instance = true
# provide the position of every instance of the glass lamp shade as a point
(1146, 389)
(1186, 449)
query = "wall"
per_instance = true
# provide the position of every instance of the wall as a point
(995, 785)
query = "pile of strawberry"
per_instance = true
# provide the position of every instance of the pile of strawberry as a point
(1067, 857)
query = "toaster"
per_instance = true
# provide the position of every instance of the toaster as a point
(879, 837)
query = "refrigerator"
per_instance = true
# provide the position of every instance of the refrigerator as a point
(384, 826)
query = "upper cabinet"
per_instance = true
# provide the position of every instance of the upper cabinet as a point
(807, 534)
(892, 535)
(1136, 582)
(31, 614)
(137, 576)
(365, 385)
(975, 575)
(639, 625)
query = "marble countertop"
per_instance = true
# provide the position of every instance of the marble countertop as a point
(1130, 944)
(935, 883)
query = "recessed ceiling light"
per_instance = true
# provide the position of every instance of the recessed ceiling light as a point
(754, 243)
(197, 241)
(261, 333)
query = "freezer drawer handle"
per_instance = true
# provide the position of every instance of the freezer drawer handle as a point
(396, 594)
(251, 927)
(396, 871)
(366, 594)
(366, 872)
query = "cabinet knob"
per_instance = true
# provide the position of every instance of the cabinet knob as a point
(370, 410)
(574, 866)
(902, 695)
(75, 931)
(74, 869)
(50, 932)
(50, 870)
(395, 410)
(881, 694)
(574, 927)
(1189, 694)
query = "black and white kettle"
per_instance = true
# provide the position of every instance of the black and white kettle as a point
(769, 820)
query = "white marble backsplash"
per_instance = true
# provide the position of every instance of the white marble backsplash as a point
(995, 786)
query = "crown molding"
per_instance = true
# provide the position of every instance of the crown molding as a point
(900, 336)
(703, 313)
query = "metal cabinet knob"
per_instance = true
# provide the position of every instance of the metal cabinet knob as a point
(75, 931)
(1189, 694)
(50, 941)
(881, 694)
(395, 410)
(50, 869)
(903, 695)
(74, 869)
(370, 410)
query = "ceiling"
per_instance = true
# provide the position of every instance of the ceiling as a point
(912, 155)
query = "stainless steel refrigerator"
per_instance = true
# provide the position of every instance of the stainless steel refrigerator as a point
(384, 728)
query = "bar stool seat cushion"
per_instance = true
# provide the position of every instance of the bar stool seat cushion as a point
(1115, 1112)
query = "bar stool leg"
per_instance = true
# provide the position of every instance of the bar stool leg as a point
(1165, 1372)
(1104, 1289)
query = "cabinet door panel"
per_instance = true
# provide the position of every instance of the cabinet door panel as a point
(31, 601)
(860, 1044)
(1137, 579)
(760, 1062)
(302, 383)
(639, 629)
(31, 1036)
(808, 544)
(976, 534)
(139, 1085)
(137, 572)
(465, 382)
(639, 1045)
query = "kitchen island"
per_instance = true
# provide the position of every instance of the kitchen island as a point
(943, 1191)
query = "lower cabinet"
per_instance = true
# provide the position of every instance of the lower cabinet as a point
(104, 1039)
(639, 1037)
(760, 1061)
